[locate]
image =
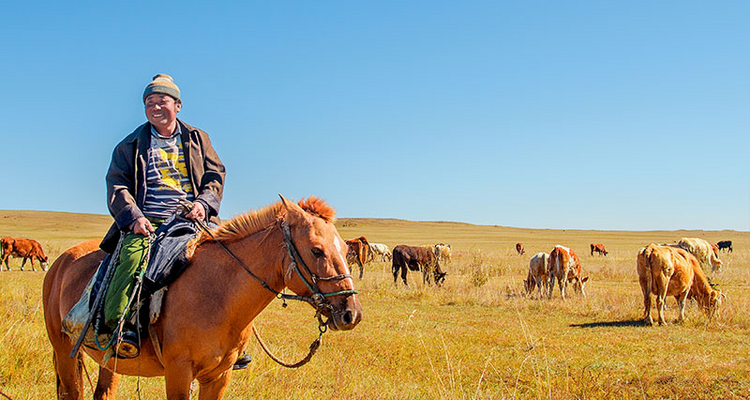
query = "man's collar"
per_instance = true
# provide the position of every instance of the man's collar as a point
(176, 133)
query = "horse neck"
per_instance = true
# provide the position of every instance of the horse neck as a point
(262, 254)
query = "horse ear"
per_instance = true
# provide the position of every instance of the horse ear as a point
(291, 207)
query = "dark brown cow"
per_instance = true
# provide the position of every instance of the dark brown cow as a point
(357, 251)
(725, 244)
(599, 248)
(27, 248)
(520, 249)
(416, 258)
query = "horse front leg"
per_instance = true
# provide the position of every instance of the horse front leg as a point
(177, 379)
(214, 389)
(106, 386)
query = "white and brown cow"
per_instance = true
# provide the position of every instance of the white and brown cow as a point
(538, 274)
(706, 253)
(565, 265)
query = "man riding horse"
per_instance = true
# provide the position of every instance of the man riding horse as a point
(159, 165)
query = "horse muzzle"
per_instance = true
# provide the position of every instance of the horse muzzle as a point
(346, 315)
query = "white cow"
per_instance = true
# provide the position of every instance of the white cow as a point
(538, 273)
(703, 251)
(381, 250)
(443, 252)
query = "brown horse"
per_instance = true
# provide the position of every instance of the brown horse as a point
(207, 314)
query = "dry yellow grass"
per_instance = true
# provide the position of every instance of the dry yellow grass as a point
(461, 341)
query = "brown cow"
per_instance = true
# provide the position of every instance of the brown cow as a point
(566, 266)
(665, 270)
(599, 248)
(416, 258)
(27, 248)
(357, 252)
(520, 249)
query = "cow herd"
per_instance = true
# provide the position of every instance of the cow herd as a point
(670, 269)
(667, 269)
(425, 259)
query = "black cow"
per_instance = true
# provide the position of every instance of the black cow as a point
(416, 258)
(725, 244)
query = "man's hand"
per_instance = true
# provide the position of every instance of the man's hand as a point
(141, 226)
(198, 213)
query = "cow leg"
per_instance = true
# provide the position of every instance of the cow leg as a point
(646, 289)
(394, 269)
(23, 263)
(106, 386)
(681, 301)
(361, 269)
(404, 270)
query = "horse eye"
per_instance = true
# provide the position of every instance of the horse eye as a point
(318, 252)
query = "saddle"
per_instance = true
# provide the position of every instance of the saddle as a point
(167, 260)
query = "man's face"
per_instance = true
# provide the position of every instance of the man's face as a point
(161, 110)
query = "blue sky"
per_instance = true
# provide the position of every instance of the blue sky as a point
(536, 114)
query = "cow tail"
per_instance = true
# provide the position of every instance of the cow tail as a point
(646, 256)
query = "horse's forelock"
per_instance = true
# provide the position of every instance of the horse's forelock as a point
(318, 207)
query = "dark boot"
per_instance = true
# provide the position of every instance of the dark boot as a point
(242, 361)
(128, 346)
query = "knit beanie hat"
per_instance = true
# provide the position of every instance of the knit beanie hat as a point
(163, 84)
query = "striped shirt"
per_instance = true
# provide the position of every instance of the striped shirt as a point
(167, 180)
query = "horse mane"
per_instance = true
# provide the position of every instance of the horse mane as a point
(253, 222)
(319, 208)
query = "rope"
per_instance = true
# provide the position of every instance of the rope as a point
(313, 348)
(5, 395)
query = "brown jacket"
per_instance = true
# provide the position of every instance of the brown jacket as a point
(126, 177)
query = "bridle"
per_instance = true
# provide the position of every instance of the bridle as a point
(317, 299)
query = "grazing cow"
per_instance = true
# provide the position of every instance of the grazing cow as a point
(356, 252)
(599, 248)
(665, 270)
(538, 274)
(416, 258)
(706, 254)
(725, 245)
(27, 248)
(381, 250)
(443, 252)
(566, 266)
(520, 249)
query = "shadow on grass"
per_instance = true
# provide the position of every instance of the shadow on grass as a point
(608, 324)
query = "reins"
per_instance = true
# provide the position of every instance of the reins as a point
(317, 299)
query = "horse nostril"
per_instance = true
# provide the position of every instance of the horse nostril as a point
(347, 318)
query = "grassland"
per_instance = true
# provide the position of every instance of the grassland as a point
(478, 337)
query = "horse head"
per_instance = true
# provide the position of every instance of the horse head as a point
(321, 265)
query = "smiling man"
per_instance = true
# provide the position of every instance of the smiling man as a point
(164, 161)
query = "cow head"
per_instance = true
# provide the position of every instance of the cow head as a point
(440, 277)
(714, 259)
(714, 301)
(578, 285)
